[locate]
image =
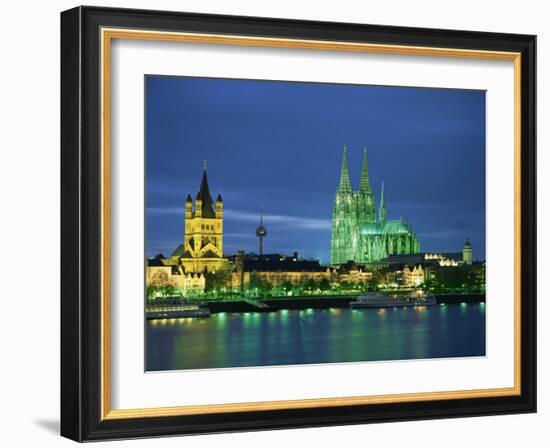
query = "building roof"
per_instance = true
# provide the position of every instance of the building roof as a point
(419, 258)
(396, 267)
(456, 256)
(394, 227)
(156, 260)
(351, 265)
(402, 259)
(279, 263)
(397, 226)
(204, 196)
(210, 254)
(286, 265)
(371, 228)
(179, 251)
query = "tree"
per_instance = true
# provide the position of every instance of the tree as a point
(160, 284)
(216, 280)
(310, 285)
(261, 283)
(170, 290)
(324, 285)
(462, 279)
(160, 279)
(152, 291)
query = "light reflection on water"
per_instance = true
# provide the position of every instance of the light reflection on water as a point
(315, 336)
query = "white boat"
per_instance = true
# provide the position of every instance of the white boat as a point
(390, 300)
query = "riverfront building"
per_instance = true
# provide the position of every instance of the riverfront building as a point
(162, 273)
(357, 234)
(433, 259)
(367, 252)
(277, 270)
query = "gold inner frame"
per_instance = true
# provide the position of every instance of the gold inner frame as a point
(107, 35)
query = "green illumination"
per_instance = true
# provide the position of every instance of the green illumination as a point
(356, 233)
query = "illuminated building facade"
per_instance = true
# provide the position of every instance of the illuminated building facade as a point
(357, 234)
(413, 277)
(202, 249)
(161, 274)
(276, 270)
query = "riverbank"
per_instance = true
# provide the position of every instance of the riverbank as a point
(302, 303)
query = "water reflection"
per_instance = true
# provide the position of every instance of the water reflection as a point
(315, 336)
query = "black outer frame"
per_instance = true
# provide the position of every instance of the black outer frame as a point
(80, 224)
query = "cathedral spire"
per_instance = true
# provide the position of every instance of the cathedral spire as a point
(207, 204)
(382, 209)
(364, 185)
(345, 186)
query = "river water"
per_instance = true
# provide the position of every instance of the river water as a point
(315, 336)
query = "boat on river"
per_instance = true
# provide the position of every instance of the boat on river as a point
(169, 311)
(390, 300)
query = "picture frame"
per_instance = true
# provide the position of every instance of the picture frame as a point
(86, 37)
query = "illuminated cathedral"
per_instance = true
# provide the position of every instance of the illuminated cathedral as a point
(357, 234)
(202, 249)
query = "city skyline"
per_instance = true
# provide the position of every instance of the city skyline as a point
(272, 144)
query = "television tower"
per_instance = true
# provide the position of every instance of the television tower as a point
(261, 231)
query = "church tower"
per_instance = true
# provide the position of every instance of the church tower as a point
(344, 222)
(366, 208)
(203, 237)
(382, 216)
(467, 253)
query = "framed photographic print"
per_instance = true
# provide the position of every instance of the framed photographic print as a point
(273, 223)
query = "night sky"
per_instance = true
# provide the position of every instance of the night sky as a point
(279, 145)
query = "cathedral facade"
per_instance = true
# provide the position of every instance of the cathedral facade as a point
(357, 233)
(202, 249)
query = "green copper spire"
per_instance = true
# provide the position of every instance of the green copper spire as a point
(364, 185)
(345, 185)
(382, 210)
